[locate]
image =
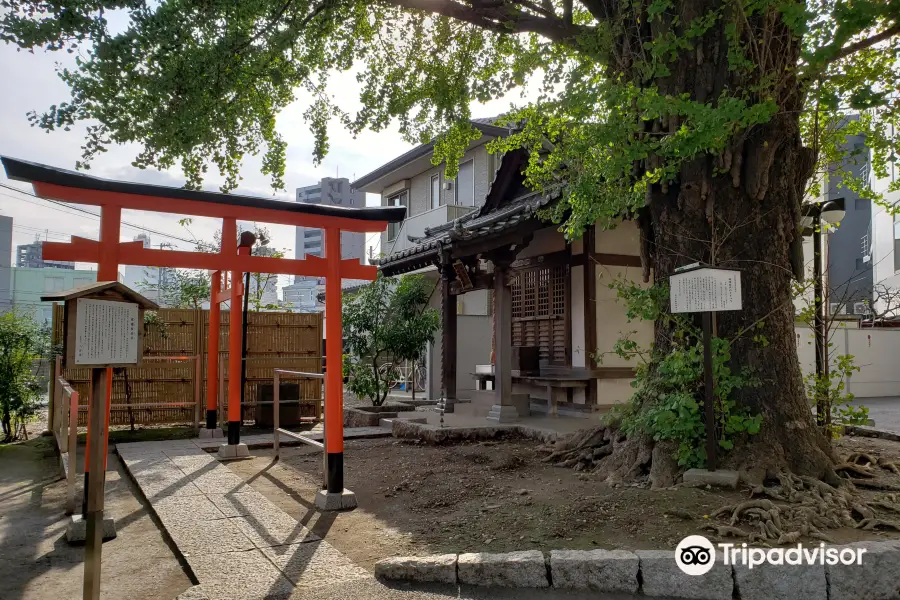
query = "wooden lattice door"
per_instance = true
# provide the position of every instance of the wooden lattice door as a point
(540, 303)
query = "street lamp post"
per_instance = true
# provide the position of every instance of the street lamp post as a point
(813, 216)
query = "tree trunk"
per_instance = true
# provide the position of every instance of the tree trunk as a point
(732, 228)
(741, 210)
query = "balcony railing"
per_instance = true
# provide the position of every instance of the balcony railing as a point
(417, 224)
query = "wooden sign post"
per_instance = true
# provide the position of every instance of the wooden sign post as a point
(103, 328)
(705, 289)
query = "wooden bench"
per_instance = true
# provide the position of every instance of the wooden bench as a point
(558, 387)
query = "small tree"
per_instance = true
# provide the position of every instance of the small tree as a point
(22, 340)
(829, 389)
(181, 288)
(386, 317)
(260, 282)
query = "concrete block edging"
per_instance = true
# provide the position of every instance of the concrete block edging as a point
(654, 573)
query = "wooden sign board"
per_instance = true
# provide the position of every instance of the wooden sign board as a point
(104, 325)
(705, 289)
(106, 332)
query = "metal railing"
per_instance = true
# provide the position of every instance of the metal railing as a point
(65, 431)
(276, 418)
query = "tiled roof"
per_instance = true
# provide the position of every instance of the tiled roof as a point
(475, 224)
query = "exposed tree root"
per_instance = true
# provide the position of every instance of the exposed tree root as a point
(861, 458)
(726, 531)
(875, 485)
(854, 468)
(872, 524)
(798, 507)
(806, 506)
(606, 452)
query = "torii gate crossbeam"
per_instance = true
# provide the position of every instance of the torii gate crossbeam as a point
(109, 252)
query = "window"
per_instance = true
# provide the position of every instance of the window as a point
(401, 199)
(436, 191)
(465, 184)
(539, 306)
(312, 233)
(53, 284)
(80, 281)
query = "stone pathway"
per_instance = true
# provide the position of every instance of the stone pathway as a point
(241, 546)
(238, 544)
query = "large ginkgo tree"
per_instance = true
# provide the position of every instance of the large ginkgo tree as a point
(708, 119)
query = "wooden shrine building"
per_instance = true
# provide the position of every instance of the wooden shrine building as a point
(553, 309)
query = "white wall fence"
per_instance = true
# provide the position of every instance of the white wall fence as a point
(875, 351)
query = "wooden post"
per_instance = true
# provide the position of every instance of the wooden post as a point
(213, 367)
(55, 394)
(94, 493)
(448, 336)
(221, 398)
(325, 441)
(334, 401)
(709, 393)
(503, 325)
(198, 381)
(590, 313)
(234, 361)
(73, 452)
(276, 410)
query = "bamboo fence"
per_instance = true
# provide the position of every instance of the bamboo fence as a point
(168, 386)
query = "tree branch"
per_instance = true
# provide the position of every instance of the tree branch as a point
(277, 17)
(504, 17)
(597, 8)
(863, 44)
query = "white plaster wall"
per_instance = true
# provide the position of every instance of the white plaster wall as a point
(806, 298)
(475, 303)
(872, 350)
(875, 352)
(473, 347)
(884, 232)
(613, 391)
(545, 241)
(624, 239)
(611, 320)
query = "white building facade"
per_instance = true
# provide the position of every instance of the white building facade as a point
(885, 240)
(336, 192)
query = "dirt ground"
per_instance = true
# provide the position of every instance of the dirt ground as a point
(491, 497)
(36, 563)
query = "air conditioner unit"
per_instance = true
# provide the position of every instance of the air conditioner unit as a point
(860, 308)
(448, 185)
(834, 308)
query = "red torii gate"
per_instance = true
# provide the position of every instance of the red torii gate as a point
(109, 252)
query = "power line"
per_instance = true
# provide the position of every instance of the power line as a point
(44, 232)
(87, 212)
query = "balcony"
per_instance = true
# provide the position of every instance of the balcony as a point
(417, 224)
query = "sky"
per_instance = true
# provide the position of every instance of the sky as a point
(31, 83)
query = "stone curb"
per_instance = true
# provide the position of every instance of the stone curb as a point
(654, 573)
(866, 431)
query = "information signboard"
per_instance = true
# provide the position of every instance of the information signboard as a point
(705, 289)
(106, 332)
